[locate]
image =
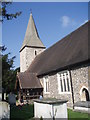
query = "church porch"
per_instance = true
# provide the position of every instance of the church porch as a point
(29, 94)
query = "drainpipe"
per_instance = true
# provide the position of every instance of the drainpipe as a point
(71, 88)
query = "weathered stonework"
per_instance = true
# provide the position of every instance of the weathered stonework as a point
(53, 90)
(23, 60)
(79, 77)
(27, 55)
(79, 80)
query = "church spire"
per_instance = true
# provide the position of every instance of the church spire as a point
(32, 38)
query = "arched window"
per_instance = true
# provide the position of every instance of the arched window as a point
(84, 94)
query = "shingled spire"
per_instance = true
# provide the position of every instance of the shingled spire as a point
(31, 47)
(32, 38)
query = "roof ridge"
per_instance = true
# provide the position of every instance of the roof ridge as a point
(68, 35)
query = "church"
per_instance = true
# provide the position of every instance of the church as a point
(62, 71)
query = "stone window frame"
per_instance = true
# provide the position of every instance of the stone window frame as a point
(45, 78)
(65, 85)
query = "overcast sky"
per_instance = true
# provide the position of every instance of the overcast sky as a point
(53, 21)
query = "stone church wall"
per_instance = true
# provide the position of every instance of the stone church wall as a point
(54, 92)
(23, 60)
(31, 54)
(27, 55)
(79, 79)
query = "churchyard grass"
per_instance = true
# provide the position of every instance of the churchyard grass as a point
(26, 112)
(77, 115)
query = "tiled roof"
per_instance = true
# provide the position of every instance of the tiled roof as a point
(71, 50)
(28, 80)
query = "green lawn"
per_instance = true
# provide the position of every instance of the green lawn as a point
(26, 112)
(77, 115)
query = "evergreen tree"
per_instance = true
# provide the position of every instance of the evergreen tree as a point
(8, 72)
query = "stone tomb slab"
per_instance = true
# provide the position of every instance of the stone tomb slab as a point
(50, 108)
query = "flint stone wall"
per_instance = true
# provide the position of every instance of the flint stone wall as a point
(54, 92)
(79, 78)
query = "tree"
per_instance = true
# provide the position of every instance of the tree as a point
(8, 78)
(8, 73)
(5, 14)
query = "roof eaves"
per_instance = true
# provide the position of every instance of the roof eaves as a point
(31, 47)
(68, 67)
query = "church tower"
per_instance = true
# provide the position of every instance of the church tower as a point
(31, 47)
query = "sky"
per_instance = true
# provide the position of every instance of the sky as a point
(54, 20)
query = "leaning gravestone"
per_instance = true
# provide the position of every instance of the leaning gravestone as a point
(12, 99)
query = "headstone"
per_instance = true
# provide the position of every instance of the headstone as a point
(4, 110)
(4, 96)
(12, 99)
(0, 94)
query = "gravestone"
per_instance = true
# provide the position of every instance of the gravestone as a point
(12, 99)
(4, 110)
